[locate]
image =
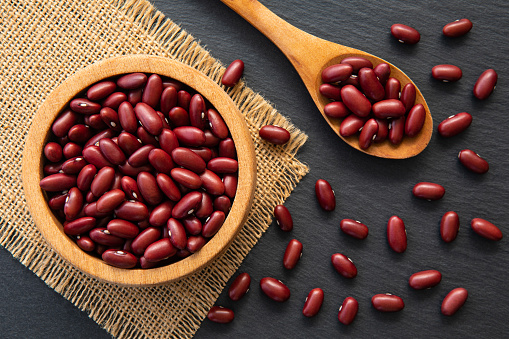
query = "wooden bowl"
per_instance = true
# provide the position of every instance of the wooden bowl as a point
(52, 229)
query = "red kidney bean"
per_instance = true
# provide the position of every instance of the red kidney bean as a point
(337, 72)
(147, 138)
(58, 182)
(79, 226)
(73, 203)
(233, 73)
(127, 169)
(130, 188)
(53, 152)
(160, 250)
(283, 218)
(57, 202)
(405, 34)
(230, 185)
(212, 183)
(64, 122)
(177, 233)
(473, 161)
(192, 225)
(425, 279)
(52, 168)
(184, 99)
(221, 315)
(149, 189)
(188, 159)
(91, 210)
(453, 301)
(168, 140)
(127, 117)
(101, 90)
(396, 234)
(449, 226)
(102, 181)
(95, 121)
(146, 264)
(128, 143)
(206, 206)
(164, 120)
(110, 118)
(415, 120)
(336, 109)
(389, 108)
(351, 125)
(152, 91)
(186, 178)
(132, 211)
(204, 152)
(325, 195)
(313, 302)
(392, 88)
(239, 287)
(148, 118)
(223, 165)
(84, 106)
(274, 289)
(161, 160)
(344, 265)
(197, 115)
(114, 100)
(370, 84)
(210, 139)
(71, 150)
(179, 117)
(354, 228)
(102, 236)
(93, 155)
(186, 205)
(168, 99)
(397, 130)
(144, 239)
(140, 156)
(160, 214)
(348, 311)
(80, 133)
(428, 191)
(213, 224)
(111, 151)
(457, 28)
(292, 255)
(355, 101)
(387, 302)
(110, 200)
(73, 165)
(368, 133)
(195, 243)
(485, 84)
(408, 94)
(357, 63)
(383, 72)
(189, 135)
(168, 187)
(330, 91)
(217, 124)
(486, 229)
(132, 81)
(94, 140)
(123, 229)
(446, 73)
(274, 134)
(119, 258)
(85, 243)
(454, 124)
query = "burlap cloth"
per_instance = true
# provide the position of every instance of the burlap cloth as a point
(44, 42)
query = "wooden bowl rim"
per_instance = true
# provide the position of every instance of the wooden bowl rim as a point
(52, 229)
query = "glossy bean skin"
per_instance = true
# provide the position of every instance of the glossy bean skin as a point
(102, 181)
(73, 203)
(446, 73)
(212, 183)
(132, 211)
(453, 301)
(383, 72)
(132, 81)
(336, 73)
(90, 209)
(354, 228)
(392, 88)
(93, 155)
(387, 302)
(84, 106)
(415, 120)
(53, 152)
(405, 34)
(85, 243)
(79, 133)
(101, 90)
(233, 73)
(192, 225)
(344, 265)
(348, 310)
(73, 165)
(186, 178)
(485, 84)
(178, 117)
(325, 195)
(454, 124)
(160, 214)
(486, 229)
(160, 160)
(449, 226)
(64, 122)
(408, 95)
(195, 243)
(58, 182)
(213, 224)
(355, 101)
(149, 189)
(128, 143)
(130, 188)
(230, 182)
(425, 279)
(368, 133)
(123, 228)
(127, 117)
(396, 234)
(221, 315)
(397, 130)
(239, 287)
(111, 151)
(389, 108)
(57, 202)
(188, 203)
(227, 149)
(95, 121)
(183, 99)
(168, 99)
(351, 125)
(223, 165)
(71, 150)
(336, 109)
(473, 161)
(330, 91)
(428, 191)
(114, 100)
(144, 239)
(152, 91)
(190, 136)
(205, 207)
(217, 124)
(357, 63)
(292, 255)
(370, 84)
(457, 28)
(283, 218)
(110, 117)
(383, 130)
(197, 112)
(168, 187)
(149, 118)
(313, 302)
(118, 258)
(275, 289)
(159, 250)
(147, 138)
(101, 235)
(110, 200)
(50, 169)
(274, 134)
(210, 139)
(188, 159)
(80, 226)
(177, 233)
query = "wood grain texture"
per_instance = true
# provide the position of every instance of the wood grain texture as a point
(52, 229)
(309, 55)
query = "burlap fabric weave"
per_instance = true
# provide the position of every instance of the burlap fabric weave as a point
(44, 42)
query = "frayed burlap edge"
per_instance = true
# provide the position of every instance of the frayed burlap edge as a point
(34, 37)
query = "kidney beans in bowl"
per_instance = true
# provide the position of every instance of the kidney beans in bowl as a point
(131, 200)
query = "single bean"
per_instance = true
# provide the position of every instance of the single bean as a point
(195, 243)
(446, 73)
(91, 209)
(473, 161)
(188, 159)
(454, 124)
(351, 125)
(233, 73)
(160, 214)
(102, 181)
(230, 185)
(274, 134)
(325, 195)
(396, 234)
(101, 90)
(223, 165)
(192, 225)
(370, 84)
(449, 226)
(160, 250)
(84, 106)
(186, 205)
(274, 289)
(405, 34)
(94, 140)
(387, 302)
(168, 187)
(425, 279)
(210, 139)
(132, 81)
(141, 156)
(415, 120)
(186, 178)
(428, 191)
(337, 72)
(132, 211)
(184, 99)
(123, 229)
(408, 95)
(94, 156)
(197, 112)
(217, 124)
(80, 133)
(204, 152)
(120, 259)
(239, 287)
(168, 140)
(457, 28)
(397, 130)
(355, 101)
(114, 100)
(79, 226)
(453, 301)
(313, 302)
(189, 135)
(58, 182)
(344, 265)
(486, 229)
(110, 200)
(330, 91)
(111, 151)
(73, 203)
(57, 202)
(71, 150)
(485, 84)
(53, 152)
(213, 224)
(54, 168)
(357, 63)
(222, 203)
(221, 315)
(64, 122)
(73, 165)
(348, 311)
(177, 233)
(354, 228)
(110, 118)
(148, 118)
(206, 206)
(179, 117)
(85, 243)
(293, 254)
(127, 117)
(128, 143)
(95, 121)
(149, 189)
(392, 88)
(144, 239)
(336, 109)
(368, 133)
(102, 236)
(383, 72)
(389, 108)
(168, 99)
(152, 91)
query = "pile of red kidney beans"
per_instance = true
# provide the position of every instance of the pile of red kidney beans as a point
(374, 107)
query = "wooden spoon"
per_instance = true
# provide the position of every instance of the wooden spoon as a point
(310, 55)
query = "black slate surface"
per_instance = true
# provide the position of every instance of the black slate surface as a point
(367, 188)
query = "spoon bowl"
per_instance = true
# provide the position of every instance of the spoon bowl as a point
(310, 55)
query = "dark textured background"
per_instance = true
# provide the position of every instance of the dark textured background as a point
(368, 189)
